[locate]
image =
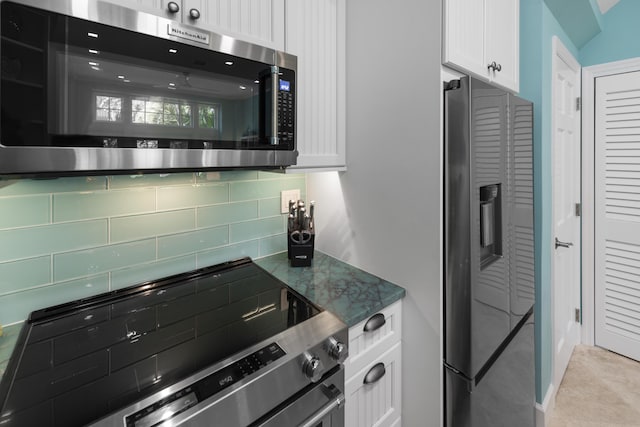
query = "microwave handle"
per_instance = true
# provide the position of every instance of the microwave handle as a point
(275, 87)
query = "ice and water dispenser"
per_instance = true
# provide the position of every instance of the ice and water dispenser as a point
(490, 223)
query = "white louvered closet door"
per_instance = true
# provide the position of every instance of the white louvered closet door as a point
(617, 213)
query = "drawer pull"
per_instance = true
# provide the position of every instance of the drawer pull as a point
(375, 374)
(375, 322)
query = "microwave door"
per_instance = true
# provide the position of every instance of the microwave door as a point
(130, 101)
(96, 91)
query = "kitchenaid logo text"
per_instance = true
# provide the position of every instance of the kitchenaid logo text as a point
(187, 34)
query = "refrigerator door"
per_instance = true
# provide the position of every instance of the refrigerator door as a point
(489, 257)
(520, 227)
(506, 395)
(477, 291)
(489, 239)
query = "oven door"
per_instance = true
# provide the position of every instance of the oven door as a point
(322, 405)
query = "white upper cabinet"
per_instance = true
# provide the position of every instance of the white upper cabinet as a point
(315, 33)
(481, 37)
(502, 32)
(255, 21)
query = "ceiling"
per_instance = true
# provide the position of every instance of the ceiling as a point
(581, 19)
(605, 5)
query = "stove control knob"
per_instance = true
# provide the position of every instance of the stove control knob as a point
(337, 350)
(312, 367)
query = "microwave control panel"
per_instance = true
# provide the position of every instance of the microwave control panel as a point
(286, 112)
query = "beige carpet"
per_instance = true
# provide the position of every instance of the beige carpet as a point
(599, 389)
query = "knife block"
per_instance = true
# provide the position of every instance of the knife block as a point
(300, 254)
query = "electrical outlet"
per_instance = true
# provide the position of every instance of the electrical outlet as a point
(287, 195)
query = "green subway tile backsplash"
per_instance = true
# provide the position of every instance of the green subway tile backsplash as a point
(27, 273)
(18, 305)
(227, 213)
(68, 238)
(23, 187)
(24, 211)
(189, 196)
(273, 244)
(255, 229)
(252, 190)
(194, 241)
(29, 242)
(136, 227)
(153, 270)
(153, 180)
(99, 204)
(216, 256)
(102, 259)
(269, 207)
(204, 177)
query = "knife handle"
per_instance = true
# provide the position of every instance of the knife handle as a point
(301, 214)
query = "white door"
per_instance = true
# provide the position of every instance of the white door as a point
(566, 194)
(617, 213)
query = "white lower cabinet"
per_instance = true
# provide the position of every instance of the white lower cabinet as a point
(373, 370)
(373, 394)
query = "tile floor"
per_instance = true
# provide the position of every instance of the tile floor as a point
(599, 389)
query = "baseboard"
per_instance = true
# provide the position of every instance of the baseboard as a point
(544, 410)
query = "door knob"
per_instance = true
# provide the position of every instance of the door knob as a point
(560, 244)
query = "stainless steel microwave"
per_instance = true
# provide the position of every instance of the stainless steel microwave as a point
(90, 87)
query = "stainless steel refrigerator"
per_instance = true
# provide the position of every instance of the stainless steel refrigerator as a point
(489, 257)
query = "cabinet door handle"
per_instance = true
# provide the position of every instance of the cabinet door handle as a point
(375, 374)
(494, 66)
(194, 14)
(375, 322)
(173, 7)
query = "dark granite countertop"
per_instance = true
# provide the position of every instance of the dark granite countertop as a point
(346, 291)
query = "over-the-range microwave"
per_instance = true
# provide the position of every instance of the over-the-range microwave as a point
(90, 87)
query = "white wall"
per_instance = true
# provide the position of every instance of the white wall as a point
(384, 213)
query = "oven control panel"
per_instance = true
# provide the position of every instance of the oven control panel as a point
(187, 397)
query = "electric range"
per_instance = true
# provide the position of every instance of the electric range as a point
(227, 345)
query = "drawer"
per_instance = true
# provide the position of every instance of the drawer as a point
(366, 346)
(373, 395)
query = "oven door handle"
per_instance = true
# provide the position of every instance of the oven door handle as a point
(336, 400)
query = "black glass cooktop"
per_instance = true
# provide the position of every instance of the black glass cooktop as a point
(77, 362)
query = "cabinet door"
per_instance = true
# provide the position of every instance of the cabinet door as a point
(256, 21)
(374, 400)
(464, 35)
(365, 347)
(156, 7)
(502, 41)
(316, 35)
